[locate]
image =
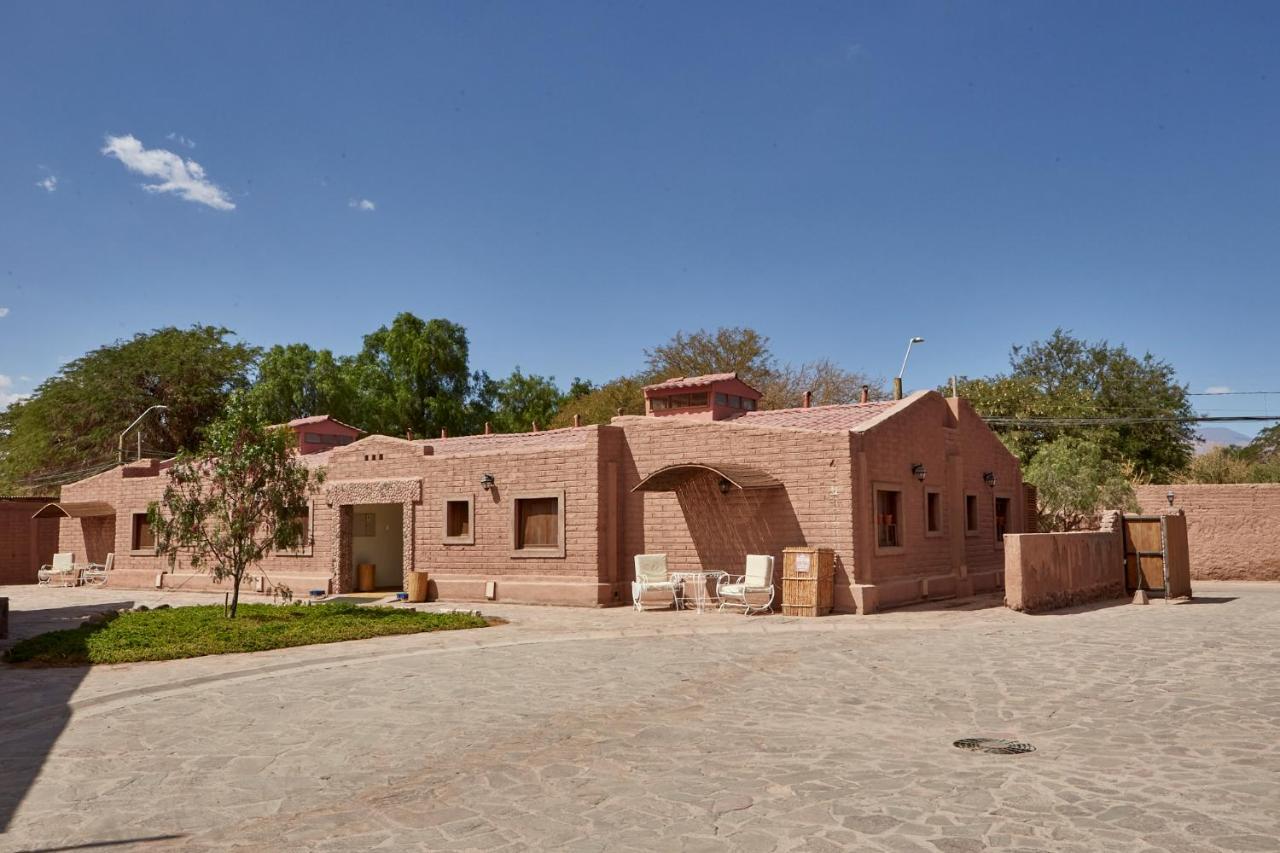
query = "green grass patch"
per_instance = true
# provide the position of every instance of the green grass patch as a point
(188, 632)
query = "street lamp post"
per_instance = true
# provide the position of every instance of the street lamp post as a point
(897, 382)
(137, 420)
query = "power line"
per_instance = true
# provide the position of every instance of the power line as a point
(1035, 422)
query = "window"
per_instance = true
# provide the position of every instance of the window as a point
(722, 400)
(970, 514)
(888, 518)
(933, 513)
(303, 548)
(538, 525)
(459, 520)
(313, 438)
(1002, 518)
(748, 404)
(144, 538)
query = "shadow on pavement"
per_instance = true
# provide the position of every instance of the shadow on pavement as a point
(98, 845)
(36, 702)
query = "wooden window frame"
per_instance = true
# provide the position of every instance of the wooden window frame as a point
(470, 537)
(537, 552)
(134, 550)
(308, 546)
(876, 489)
(942, 513)
(1008, 519)
(977, 516)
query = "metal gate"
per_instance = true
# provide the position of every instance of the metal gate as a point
(1155, 554)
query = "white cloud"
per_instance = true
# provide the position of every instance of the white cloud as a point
(4, 312)
(48, 183)
(362, 204)
(6, 397)
(181, 140)
(1218, 389)
(184, 177)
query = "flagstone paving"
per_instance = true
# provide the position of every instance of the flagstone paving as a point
(1156, 728)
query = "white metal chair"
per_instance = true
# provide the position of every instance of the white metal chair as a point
(651, 574)
(95, 574)
(62, 572)
(757, 582)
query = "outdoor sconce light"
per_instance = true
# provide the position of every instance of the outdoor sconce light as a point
(1169, 497)
(990, 479)
(917, 470)
(725, 485)
(486, 482)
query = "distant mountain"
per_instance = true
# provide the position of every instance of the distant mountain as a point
(1210, 437)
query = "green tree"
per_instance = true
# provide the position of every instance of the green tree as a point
(726, 350)
(600, 405)
(296, 381)
(1075, 482)
(1066, 377)
(71, 422)
(414, 375)
(242, 495)
(521, 400)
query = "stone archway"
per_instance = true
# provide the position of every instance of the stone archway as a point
(344, 495)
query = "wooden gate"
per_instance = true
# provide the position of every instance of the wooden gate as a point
(1156, 554)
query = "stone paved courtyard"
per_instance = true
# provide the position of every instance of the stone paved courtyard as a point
(1156, 728)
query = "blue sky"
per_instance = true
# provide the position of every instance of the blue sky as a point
(576, 181)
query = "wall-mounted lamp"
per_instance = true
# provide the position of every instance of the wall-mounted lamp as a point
(990, 479)
(725, 485)
(917, 471)
(1169, 497)
(487, 482)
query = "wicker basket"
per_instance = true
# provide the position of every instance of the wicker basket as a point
(808, 576)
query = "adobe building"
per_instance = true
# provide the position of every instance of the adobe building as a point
(913, 495)
(26, 543)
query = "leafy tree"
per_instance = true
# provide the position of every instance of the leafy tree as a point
(72, 421)
(602, 404)
(1265, 445)
(413, 375)
(520, 401)
(1066, 377)
(296, 381)
(243, 494)
(726, 350)
(1075, 482)
(1234, 465)
(829, 383)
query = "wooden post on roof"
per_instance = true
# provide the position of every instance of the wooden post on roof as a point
(535, 426)
(408, 435)
(577, 420)
(444, 433)
(488, 428)
(866, 394)
(808, 399)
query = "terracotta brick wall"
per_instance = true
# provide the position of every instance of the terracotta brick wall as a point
(1233, 529)
(957, 449)
(130, 490)
(698, 526)
(25, 543)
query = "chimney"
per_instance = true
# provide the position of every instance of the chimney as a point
(866, 394)
(577, 420)
(488, 428)
(535, 426)
(409, 435)
(619, 411)
(808, 399)
(897, 388)
(444, 433)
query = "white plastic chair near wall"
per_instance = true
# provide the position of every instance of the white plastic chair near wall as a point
(62, 572)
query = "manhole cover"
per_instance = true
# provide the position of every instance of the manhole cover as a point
(994, 746)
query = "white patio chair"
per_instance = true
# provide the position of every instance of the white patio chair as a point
(757, 582)
(95, 574)
(62, 572)
(651, 574)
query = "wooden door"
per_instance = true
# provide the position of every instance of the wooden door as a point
(1144, 555)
